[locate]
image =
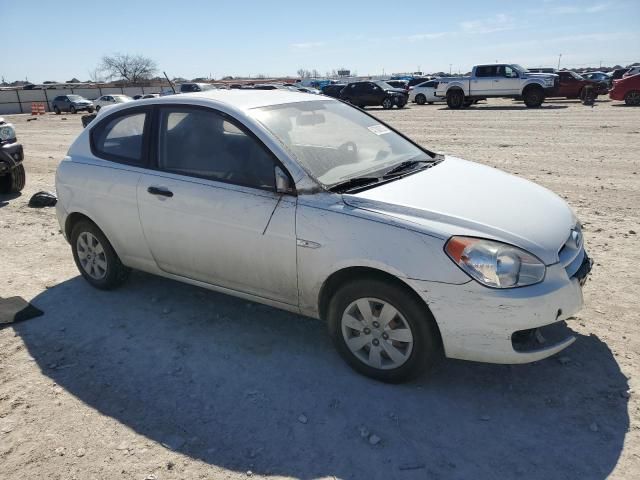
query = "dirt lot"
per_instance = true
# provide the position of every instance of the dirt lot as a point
(160, 378)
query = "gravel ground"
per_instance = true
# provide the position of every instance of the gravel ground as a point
(168, 380)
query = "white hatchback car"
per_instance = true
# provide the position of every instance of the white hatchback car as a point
(316, 207)
(108, 100)
(425, 92)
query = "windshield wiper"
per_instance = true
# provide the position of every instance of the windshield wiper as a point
(353, 183)
(405, 166)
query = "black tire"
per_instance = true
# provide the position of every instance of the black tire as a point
(421, 99)
(73, 110)
(14, 181)
(90, 109)
(533, 97)
(632, 98)
(98, 108)
(455, 99)
(57, 110)
(115, 273)
(387, 103)
(426, 350)
(401, 105)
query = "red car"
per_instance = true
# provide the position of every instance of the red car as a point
(571, 85)
(627, 89)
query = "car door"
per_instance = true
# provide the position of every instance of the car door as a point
(429, 91)
(483, 82)
(210, 212)
(506, 82)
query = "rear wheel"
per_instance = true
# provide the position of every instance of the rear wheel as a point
(421, 99)
(57, 110)
(13, 181)
(383, 331)
(533, 97)
(95, 258)
(72, 109)
(387, 103)
(632, 98)
(455, 99)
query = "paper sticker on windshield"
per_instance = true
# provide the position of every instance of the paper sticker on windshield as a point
(379, 129)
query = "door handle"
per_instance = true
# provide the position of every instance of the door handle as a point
(160, 191)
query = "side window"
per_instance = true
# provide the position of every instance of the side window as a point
(121, 138)
(509, 72)
(205, 144)
(486, 71)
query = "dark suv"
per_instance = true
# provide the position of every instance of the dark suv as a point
(365, 94)
(333, 90)
(71, 103)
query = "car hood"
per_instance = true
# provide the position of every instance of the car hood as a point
(457, 197)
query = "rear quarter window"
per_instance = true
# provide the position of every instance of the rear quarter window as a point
(121, 137)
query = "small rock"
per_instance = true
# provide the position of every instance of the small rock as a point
(151, 477)
(364, 431)
(594, 427)
(81, 452)
(122, 446)
(564, 360)
(302, 419)
(249, 473)
(59, 451)
(632, 232)
(485, 418)
(374, 439)
(170, 465)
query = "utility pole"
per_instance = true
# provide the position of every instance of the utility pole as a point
(559, 57)
(450, 68)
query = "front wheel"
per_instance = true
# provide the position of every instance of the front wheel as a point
(95, 258)
(90, 109)
(455, 99)
(383, 331)
(632, 98)
(14, 181)
(533, 97)
(387, 103)
(98, 108)
(73, 109)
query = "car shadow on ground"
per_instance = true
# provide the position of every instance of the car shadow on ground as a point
(5, 198)
(247, 387)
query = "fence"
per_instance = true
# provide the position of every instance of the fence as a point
(19, 101)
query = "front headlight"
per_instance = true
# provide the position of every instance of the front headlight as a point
(7, 132)
(495, 264)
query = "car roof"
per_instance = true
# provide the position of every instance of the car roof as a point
(245, 99)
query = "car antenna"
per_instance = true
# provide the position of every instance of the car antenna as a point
(170, 82)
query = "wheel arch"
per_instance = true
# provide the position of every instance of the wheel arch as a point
(530, 85)
(341, 277)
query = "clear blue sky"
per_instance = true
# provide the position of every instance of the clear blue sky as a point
(60, 40)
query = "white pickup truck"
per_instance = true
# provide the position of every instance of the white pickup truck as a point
(499, 80)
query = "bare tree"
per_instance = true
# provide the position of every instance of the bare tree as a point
(303, 73)
(132, 68)
(315, 73)
(96, 76)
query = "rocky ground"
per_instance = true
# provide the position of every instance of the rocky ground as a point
(168, 381)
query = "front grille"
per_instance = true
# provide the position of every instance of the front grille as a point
(572, 252)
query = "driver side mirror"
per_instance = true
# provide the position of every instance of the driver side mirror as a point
(283, 184)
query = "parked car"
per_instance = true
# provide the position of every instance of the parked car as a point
(195, 87)
(596, 76)
(367, 94)
(631, 72)
(105, 100)
(571, 85)
(500, 80)
(309, 205)
(618, 73)
(627, 89)
(137, 97)
(12, 174)
(150, 95)
(411, 80)
(401, 84)
(333, 90)
(425, 93)
(71, 103)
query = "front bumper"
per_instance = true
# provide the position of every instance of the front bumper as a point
(478, 323)
(11, 155)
